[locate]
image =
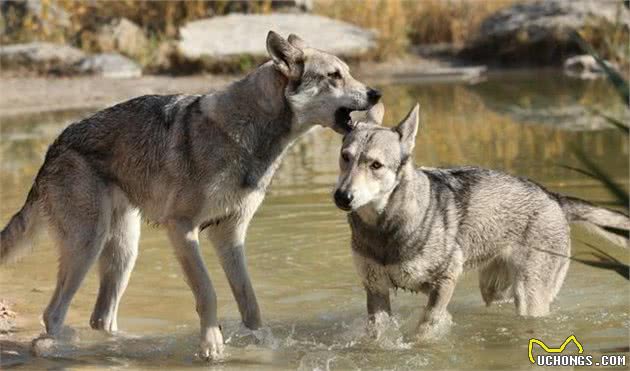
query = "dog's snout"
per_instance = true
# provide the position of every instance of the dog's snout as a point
(373, 95)
(343, 199)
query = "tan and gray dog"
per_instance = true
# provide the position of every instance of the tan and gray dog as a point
(188, 163)
(420, 228)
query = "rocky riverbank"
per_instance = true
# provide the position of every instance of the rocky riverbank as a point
(526, 33)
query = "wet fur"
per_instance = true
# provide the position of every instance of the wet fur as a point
(185, 162)
(434, 224)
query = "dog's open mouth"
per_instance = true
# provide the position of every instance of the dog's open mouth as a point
(343, 120)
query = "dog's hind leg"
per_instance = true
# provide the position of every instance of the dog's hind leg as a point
(184, 237)
(79, 208)
(542, 268)
(495, 282)
(74, 263)
(116, 263)
(228, 239)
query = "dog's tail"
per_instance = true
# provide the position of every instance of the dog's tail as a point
(612, 224)
(18, 233)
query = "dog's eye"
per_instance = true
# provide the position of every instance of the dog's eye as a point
(335, 75)
(345, 157)
(376, 165)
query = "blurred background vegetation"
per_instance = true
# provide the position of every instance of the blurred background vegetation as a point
(401, 24)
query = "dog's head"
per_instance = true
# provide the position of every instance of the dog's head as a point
(372, 157)
(321, 90)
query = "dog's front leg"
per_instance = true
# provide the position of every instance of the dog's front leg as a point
(228, 238)
(378, 308)
(377, 303)
(184, 237)
(436, 320)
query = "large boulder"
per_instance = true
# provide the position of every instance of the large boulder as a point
(39, 56)
(245, 34)
(538, 32)
(111, 65)
(123, 36)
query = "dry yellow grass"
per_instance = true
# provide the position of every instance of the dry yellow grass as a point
(387, 17)
(403, 22)
(451, 21)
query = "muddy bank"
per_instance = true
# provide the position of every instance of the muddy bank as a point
(40, 94)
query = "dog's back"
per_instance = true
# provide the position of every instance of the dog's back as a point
(493, 211)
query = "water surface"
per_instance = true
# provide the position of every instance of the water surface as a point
(298, 247)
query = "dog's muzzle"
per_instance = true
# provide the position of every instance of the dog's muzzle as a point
(342, 114)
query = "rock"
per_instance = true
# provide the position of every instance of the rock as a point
(245, 34)
(39, 56)
(112, 65)
(539, 32)
(123, 36)
(585, 67)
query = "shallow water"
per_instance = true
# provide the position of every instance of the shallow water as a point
(299, 255)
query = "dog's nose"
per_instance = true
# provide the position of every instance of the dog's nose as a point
(343, 199)
(373, 96)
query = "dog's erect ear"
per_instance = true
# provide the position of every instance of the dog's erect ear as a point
(373, 116)
(287, 58)
(296, 41)
(408, 129)
(376, 113)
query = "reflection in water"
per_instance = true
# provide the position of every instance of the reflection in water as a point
(299, 255)
(552, 99)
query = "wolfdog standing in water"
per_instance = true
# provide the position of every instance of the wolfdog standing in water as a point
(187, 162)
(420, 228)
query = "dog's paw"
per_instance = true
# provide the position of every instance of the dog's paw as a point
(379, 325)
(434, 328)
(46, 345)
(43, 346)
(211, 347)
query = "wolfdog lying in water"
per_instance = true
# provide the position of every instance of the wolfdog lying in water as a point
(420, 228)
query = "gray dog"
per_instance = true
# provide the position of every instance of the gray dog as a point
(187, 162)
(420, 228)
